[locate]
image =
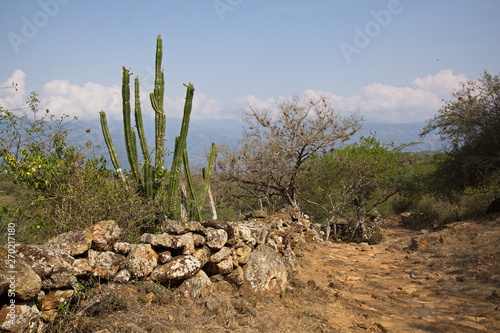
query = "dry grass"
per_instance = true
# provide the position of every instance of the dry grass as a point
(468, 249)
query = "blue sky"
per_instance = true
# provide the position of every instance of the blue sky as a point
(393, 60)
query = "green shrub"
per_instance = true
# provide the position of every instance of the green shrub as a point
(56, 187)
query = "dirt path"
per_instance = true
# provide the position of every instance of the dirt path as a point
(389, 288)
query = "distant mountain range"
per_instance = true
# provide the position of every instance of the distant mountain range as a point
(227, 131)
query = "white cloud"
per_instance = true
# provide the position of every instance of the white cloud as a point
(398, 104)
(60, 96)
(13, 92)
(86, 101)
(257, 102)
(377, 101)
(442, 84)
(387, 103)
(204, 107)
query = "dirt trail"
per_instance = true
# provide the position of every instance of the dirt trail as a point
(389, 288)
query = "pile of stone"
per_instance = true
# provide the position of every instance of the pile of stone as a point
(258, 254)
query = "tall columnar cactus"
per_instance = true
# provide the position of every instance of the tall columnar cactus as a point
(152, 180)
(198, 201)
(180, 146)
(157, 97)
(130, 140)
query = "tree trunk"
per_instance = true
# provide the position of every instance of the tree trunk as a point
(360, 217)
(211, 200)
(184, 204)
(328, 230)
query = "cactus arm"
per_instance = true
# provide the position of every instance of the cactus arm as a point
(207, 172)
(139, 124)
(148, 180)
(110, 145)
(130, 141)
(157, 97)
(195, 211)
(207, 176)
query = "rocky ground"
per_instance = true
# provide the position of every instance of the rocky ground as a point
(445, 281)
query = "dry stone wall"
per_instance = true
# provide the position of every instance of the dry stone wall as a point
(259, 254)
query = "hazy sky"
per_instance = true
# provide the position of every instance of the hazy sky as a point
(394, 60)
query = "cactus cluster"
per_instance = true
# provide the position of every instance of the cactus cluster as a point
(154, 181)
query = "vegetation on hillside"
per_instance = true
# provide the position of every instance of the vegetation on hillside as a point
(291, 154)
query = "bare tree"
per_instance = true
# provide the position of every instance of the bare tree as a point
(279, 139)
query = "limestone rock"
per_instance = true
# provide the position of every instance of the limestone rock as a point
(199, 240)
(223, 267)
(44, 260)
(243, 254)
(164, 257)
(27, 283)
(179, 227)
(104, 235)
(242, 232)
(181, 267)
(163, 240)
(203, 255)
(196, 286)
(54, 299)
(18, 317)
(59, 280)
(259, 214)
(122, 248)
(141, 260)
(81, 268)
(216, 224)
(73, 243)
(265, 271)
(216, 238)
(105, 264)
(237, 276)
(290, 261)
(223, 254)
(122, 277)
(185, 241)
(306, 224)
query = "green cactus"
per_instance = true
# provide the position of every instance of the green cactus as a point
(152, 180)
(139, 123)
(110, 145)
(180, 146)
(194, 212)
(199, 201)
(207, 172)
(157, 97)
(130, 140)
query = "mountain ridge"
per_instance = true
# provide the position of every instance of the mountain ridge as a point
(229, 132)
